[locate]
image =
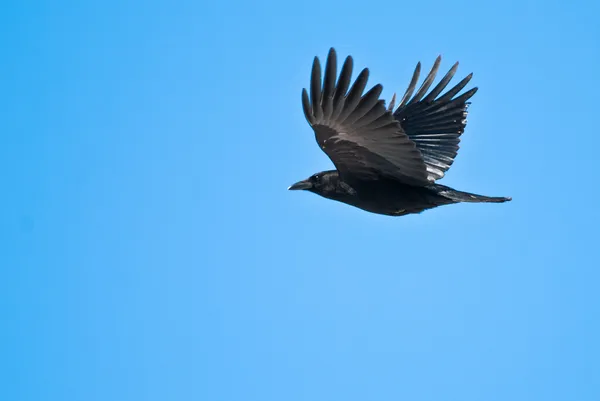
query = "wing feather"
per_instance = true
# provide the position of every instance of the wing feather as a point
(356, 131)
(427, 82)
(434, 123)
(411, 86)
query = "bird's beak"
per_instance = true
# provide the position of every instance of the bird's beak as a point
(306, 184)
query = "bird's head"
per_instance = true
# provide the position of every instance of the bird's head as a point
(324, 183)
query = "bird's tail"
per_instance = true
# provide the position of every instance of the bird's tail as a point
(459, 196)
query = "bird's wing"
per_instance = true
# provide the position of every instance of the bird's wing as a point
(356, 131)
(434, 123)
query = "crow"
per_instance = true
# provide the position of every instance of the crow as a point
(386, 160)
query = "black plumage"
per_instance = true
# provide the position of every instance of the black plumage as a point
(387, 160)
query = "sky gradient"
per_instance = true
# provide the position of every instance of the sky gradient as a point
(149, 249)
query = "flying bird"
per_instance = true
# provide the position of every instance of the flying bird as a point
(387, 159)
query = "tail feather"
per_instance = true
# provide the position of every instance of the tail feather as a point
(459, 196)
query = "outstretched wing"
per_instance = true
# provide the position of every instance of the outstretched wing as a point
(433, 123)
(361, 137)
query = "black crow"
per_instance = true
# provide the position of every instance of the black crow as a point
(387, 160)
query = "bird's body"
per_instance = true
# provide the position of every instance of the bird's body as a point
(387, 196)
(386, 161)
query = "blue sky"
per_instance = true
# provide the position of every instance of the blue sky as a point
(150, 250)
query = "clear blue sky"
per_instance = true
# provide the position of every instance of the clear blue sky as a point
(149, 249)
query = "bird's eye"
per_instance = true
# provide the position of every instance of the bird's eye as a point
(316, 177)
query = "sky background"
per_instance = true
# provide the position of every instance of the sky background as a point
(149, 249)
